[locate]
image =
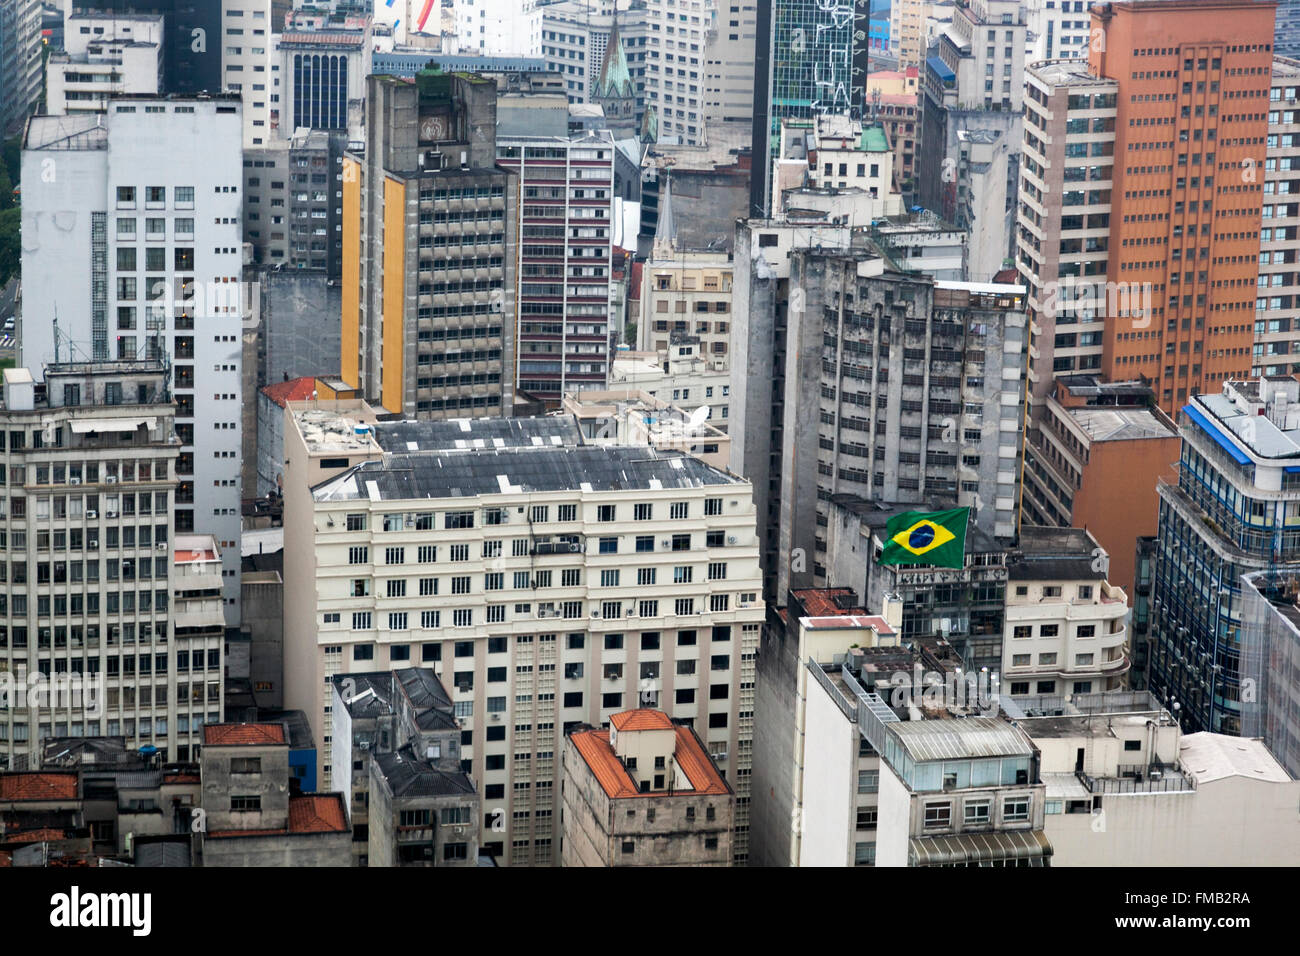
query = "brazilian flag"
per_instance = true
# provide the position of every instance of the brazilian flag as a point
(936, 538)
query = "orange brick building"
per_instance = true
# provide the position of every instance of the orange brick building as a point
(1190, 132)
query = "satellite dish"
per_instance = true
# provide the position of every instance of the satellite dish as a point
(698, 417)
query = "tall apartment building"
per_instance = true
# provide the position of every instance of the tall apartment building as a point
(1232, 512)
(90, 464)
(566, 183)
(973, 88)
(499, 28)
(1277, 335)
(1093, 460)
(537, 605)
(1062, 224)
(729, 64)
(1192, 109)
(907, 40)
(293, 201)
(894, 388)
(104, 56)
(676, 67)
(1286, 38)
(429, 292)
(1058, 30)
(246, 56)
(20, 62)
(133, 244)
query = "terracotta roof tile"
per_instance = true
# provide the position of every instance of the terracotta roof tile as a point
(593, 746)
(38, 786)
(644, 719)
(176, 778)
(820, 602)
(45, 834)
(317, 813)
(242, 735)
(294, 390)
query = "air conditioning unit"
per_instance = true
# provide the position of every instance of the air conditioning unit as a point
(92, 514)
(162, 546)
(363, 744)
(496, 718)
(463, 686)
(111, 514)
(110, 479)
(667, 543)
(732, 539)
(74, 481)
(595, 614)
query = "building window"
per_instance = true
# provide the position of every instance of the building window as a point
(938, 815)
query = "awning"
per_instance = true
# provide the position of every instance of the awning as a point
(81, 426)
(978, 848)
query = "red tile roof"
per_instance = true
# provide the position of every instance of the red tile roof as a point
(317, 813)
(176, 778)
(313, 813)
(48, 834)
(242, 735)
(644, 719)
(38, 786)
(294, 390)
(593, 746)
(820, 602)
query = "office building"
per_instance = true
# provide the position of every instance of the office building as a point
(1057, 30)
(576, 37)
(247, 58)
(540, 621)
(681, 374)
(149, 267)
(429, 292)
(564, 267)
(1194, 109)
(1232, 512)
(87, 604)
(644, 792)
(323, 75)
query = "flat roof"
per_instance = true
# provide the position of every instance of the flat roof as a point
(477, 433)
(460, 474)
(1103, 424)
(963, 738)
(1208, 757)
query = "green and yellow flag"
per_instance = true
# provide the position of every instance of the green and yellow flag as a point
(936, 538)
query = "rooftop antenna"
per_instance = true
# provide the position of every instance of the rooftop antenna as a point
(56, 334)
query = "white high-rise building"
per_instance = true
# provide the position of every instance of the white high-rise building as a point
(246, 63)
(132, 248)
(103, 55)
(499, 27)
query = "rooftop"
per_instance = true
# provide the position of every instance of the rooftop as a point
(457, 474)
(690, 756)
(644, 719)
(1055, 554)
(1208, 757)
(826, 602)
(372, 695)
(1119, 424)
(960, 739)
(1071, 72)
(411, 776)
(308, 814)
(477, 433)
(243, 735)
(294, 390)
(38, 786)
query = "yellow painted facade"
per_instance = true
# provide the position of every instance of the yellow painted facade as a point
(349, 361)
(394, 293)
